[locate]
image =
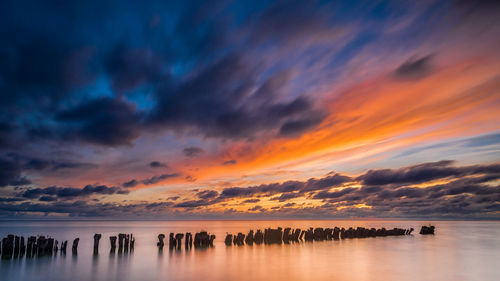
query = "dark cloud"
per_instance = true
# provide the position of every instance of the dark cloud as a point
(335, 194)
(149, 181)
(108, 90)
(291, 21)
(130, 68)
(26, 58)
(252, 200)
(196, 203)
(332, 180)
(229, 162)
(297, 127)
(207, 194)
(130, 183)
(105, 121)
(190, 178)
(471, 193)
(11, 199)
(157, 164)
(42, 164)
(286, 196)
(415, 68)
(215, 108)
(423, 172)
(256, 208)
(20, 181)
(312, 184)
(72, 192)
(10, 173)
(7, 134)
(47, 198)
(81, 208)
(192, 151)
(157, 179)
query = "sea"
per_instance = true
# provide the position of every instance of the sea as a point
(459, 250)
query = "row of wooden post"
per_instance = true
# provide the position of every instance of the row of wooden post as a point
(201, 240)
(287, 235)
(14, 246)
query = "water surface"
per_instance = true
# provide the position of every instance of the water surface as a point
(460, 250)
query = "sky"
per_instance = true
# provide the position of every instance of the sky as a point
(250, 109)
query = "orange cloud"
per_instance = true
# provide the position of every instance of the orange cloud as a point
(377, 115)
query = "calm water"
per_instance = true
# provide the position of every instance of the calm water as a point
(460, 250)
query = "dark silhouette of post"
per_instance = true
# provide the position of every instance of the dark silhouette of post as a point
(74, 248)
(427, 230)
(171, 241)
(63, 247)
(188, 243)
(160, 242)
(112, 242)
(132, 242)
(97, 237)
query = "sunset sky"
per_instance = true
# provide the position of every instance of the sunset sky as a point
(250, 109)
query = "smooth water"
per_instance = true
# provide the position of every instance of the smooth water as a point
(460, 250)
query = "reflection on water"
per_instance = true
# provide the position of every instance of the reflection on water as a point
(459, 251)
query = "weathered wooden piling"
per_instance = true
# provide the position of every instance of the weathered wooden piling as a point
(249, 238)
(273, 236)
(426, 230)
(160, 243)
(309, 235)
(228, 240)
(203, 239)
(50, 246)
(286, 235)
(258, 238)
(22, 248)
(8, 247)
(121, 238)
(31, 246)
(97, 237)
(302, 233)
(239, 239)
(188, 243)
(17, 244)
(41, 245)
(74, 248)
(171, 241)
(63, 246)
(112, 242)
(132, 242)
(178, 240)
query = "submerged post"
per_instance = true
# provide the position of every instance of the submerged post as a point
(132, 242)
(426, 230)
(112, 241)
(97, 237)
(63, 247)
(160, 243)
(74, 248)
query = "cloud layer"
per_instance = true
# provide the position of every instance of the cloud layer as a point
(251, 105)
(451, 192)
